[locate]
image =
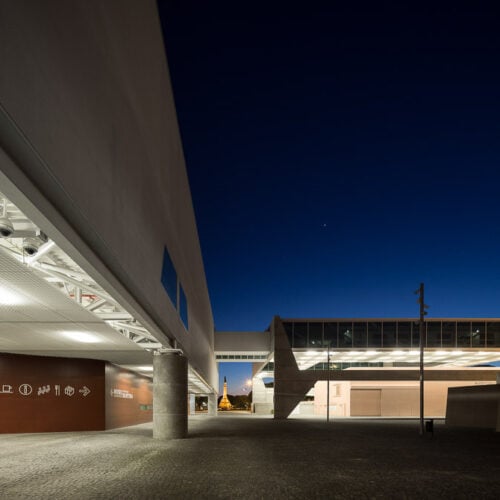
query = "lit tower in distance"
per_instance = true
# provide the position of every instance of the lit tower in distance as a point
(224, 402)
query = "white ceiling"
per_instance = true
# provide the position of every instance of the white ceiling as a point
(35, 317)
(449, 357)
(40, 309)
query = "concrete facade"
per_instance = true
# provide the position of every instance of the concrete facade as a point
(90, 153)
(385, 398)
(383, 390)
(90, 150)
(474, 407)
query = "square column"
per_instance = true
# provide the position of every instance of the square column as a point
(170, 378)
(192, 404)
(212, 405)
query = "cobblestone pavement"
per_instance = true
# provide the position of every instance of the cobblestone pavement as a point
(244, 456)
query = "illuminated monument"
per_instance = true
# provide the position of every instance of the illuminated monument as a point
(224, 402)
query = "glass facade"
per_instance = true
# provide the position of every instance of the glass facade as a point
(374, 334)
(492, 334)
(393, 333)
(315, 334)
(449, 334)
(330, 333)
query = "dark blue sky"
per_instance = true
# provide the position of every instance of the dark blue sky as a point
(338, 157)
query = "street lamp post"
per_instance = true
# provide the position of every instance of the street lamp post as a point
(328, 383)
(423, 312)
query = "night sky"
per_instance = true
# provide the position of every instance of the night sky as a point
(339, 156)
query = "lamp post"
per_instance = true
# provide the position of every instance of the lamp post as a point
(423, 312)
(328, 383)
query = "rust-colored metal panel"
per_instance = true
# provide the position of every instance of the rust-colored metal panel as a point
(129, 398)
(49, 394)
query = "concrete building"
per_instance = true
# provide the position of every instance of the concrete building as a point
(100, 264)
(368, 367)
(105, 313)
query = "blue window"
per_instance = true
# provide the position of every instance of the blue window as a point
(169, 277)
(173, 287)
(183, 306)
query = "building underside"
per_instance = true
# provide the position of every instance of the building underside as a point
(365, 367)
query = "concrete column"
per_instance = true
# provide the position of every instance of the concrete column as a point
(192, 404)
(169, 396)
(212, 405)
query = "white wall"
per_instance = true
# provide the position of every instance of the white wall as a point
(89, 120)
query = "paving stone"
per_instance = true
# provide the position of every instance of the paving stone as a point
(251, 457)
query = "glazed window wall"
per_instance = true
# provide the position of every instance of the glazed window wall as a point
(389, 332)
(434, 334)
(345, 334)
(397, 334)
(415, 334)
(404, 334)
(478, 334)
(330, 334)
(374, 334)
(492, 334)
(449, 334)
(463, 333)
(359, 334)
(315, 335)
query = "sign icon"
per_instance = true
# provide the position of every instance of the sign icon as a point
(44, 389)
(25, 389)
(69, 391)
(57, 389)
(85, 391)
(6, 389)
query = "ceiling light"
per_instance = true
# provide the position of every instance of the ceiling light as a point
(10, 298)
(86, 338)
(145, 369)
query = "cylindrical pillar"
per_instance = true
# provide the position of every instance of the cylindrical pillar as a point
(169, 396)
(212, 405)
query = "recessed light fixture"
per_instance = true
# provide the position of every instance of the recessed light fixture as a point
(10, 298)
(144, 368)
(86, 338)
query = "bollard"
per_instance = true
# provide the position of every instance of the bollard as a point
(429, 426)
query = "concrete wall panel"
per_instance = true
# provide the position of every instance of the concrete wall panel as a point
(477, 406)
